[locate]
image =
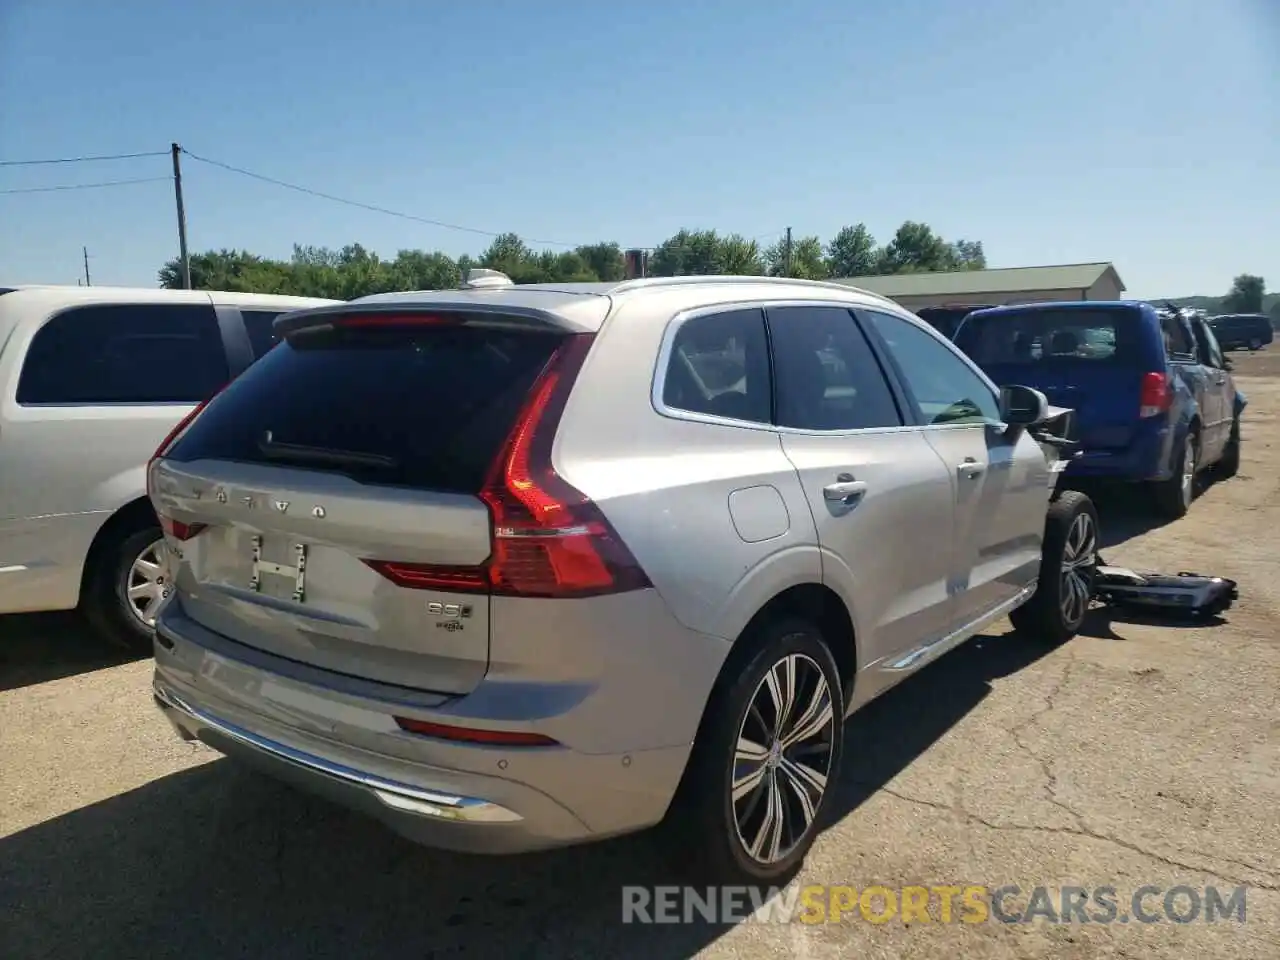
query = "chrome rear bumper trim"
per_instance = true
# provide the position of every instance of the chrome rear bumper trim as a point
(398, 796)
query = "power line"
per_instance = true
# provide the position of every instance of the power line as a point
(85, 186)
(368, 206)
(89, 159)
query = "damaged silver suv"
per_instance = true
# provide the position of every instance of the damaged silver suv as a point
(513, 567)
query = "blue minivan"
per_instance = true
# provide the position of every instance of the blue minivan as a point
(1154, 397)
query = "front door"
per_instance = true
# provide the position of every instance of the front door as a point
(881, 501)
(1218, 406)
(999, 478)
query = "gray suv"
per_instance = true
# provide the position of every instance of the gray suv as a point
(514, 567)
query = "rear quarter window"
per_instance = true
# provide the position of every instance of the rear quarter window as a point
(1051, 336)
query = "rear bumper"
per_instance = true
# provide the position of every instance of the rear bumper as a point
(477, 798)
(1147, 457)
(431, 816)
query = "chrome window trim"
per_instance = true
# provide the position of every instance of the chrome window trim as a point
(731, 306)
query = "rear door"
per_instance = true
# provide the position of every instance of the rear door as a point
(881, 501)
(1088, 359)
(100, 385)
(336, 466)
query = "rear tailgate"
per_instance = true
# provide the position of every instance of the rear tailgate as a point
(1089, 359)
(309, 496)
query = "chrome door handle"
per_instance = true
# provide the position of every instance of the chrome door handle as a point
(972, 468)
(844, 490)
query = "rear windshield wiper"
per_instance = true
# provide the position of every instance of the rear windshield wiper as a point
(302, 453)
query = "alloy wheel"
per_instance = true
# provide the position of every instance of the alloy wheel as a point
(1078, 559)
(146, 582)
(782, 761)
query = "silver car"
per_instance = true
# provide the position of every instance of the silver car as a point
(515, 567)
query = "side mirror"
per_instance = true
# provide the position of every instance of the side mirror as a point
(1022, 406)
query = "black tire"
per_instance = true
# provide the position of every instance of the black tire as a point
(1229, 465)
(1068, 565)
(704, 823)
(106, 604)
(1255, 345)
(1173, 497)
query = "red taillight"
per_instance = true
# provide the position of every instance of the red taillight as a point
(549, 539)
(1156, 396)
(180, 530)
(176, 528)
(496, 738)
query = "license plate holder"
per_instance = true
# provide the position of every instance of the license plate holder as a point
(295, 572)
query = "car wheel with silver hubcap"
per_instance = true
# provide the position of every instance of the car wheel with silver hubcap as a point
(1068, 570)
(1188, 488)
(1173, 497)
(762, 770)
(145, 583)
(125, 581)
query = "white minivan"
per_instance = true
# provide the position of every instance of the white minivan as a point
(92, 379)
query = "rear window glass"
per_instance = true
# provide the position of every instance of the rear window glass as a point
(1049, 336)
(425, 407)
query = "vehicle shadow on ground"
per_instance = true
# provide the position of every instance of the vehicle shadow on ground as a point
(39, 647)
(217, 861)
(1100, 621)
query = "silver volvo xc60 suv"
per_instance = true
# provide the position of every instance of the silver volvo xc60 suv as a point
(514, 567)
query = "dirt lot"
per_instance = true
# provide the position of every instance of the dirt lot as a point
(1137, 754)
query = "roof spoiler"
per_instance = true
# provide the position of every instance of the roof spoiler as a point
(491, 315)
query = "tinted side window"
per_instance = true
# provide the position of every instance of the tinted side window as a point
(125, 353)
(258, 325)
(1210, 346)
(719, 366)
(943, 386)
(825, 375)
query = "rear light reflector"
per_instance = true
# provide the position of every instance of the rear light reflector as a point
(426, 576)
(180, 530)
(1156, 396)
(496, 738)
(549, 539)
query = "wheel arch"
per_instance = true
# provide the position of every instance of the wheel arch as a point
(812, 601)
(134, 515)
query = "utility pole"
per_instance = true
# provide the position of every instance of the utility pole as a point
(182, 215)
(87, 281)
(788, 273)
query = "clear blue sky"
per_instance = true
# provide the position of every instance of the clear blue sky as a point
(1146, 132)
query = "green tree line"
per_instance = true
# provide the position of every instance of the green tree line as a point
(1248, 294)
(355, 271)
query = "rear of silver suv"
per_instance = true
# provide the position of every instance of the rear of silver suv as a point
(518, 567)
(384, 588)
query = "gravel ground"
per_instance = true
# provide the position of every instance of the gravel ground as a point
(1136, 754)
